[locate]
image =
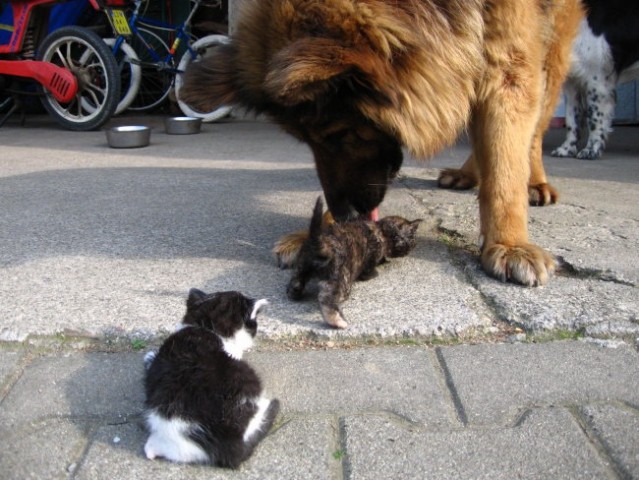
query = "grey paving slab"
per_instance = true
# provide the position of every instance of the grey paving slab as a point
(9, 361)
(617, 426)
(301, 448)
(594, 307)
(402, 380)
(496, 383)
(77, 385)
(112, 240)
(593, 231)
(593, 237)
(45, 449)
(592, 240)
(547, 444)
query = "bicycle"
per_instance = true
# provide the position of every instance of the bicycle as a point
(148, 64)
(75, 73)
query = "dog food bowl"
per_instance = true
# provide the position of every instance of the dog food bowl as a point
(129, 136)
(182, 125)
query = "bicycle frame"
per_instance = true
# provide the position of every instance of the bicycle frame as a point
(135, 20)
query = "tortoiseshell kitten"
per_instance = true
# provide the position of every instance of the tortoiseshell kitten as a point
(204, 404)
(344, 252)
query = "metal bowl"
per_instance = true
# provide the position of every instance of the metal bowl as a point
(182, 125)
(128, 136)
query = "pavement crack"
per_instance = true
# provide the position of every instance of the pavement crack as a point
(341, 453)
(460, 411)
(567, 269)
(599, 444)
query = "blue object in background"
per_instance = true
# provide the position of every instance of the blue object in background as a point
(62, 15)
(6, 23)
(67, 13)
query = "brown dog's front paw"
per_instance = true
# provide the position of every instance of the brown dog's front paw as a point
(542, 194)
(287, 248)
(526, 264)
(456, 179)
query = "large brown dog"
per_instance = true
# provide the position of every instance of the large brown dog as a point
(357, 80)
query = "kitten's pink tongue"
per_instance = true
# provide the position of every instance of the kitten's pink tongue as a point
(373, 215)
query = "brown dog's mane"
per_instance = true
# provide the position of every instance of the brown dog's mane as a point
(390, 63)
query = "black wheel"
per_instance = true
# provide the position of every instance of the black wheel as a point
(87, 56)
(157, 76)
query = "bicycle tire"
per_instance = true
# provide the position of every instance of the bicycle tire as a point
(155, 84)
(85, 54)
(201, 45)
(130, 73)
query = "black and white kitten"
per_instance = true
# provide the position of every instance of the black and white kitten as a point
(340, 253)
(204, 404)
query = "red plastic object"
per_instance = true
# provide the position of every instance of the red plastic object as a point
(101, 4)
(62, 84)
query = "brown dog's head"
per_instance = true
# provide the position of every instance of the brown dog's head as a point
(308, 66)
(312, 89)
(351, 79)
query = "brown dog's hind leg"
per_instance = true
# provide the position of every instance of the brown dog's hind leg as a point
(540, 192)
(556, 65)
(463, 178)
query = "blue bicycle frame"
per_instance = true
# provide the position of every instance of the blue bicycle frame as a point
(136, 19)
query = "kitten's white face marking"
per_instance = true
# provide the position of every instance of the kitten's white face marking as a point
(169, 440)
(242, 340)
(256, 422)
(256, 308)
(238, 343)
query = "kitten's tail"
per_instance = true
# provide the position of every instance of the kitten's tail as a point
(315, 228)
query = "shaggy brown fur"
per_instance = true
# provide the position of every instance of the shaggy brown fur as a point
(357, 79)
(340, 253)
(287, 248)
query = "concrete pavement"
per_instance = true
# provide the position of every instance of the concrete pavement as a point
(442, 373)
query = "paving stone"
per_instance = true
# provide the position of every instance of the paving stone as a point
(618, 428)
(591, 239)
(302, 447)
(398, 379)
(495, 383)
(77, 385)
(45, 449)
(9, 361)
(547, 444)
(592, 306)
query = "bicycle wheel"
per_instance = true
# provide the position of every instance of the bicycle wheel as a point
(85, 54)
(157, 79)
(200, 47)
(130, 73)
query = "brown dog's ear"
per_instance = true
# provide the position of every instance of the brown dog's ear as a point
(311, 67)
(209, 83)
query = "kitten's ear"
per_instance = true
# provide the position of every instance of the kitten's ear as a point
(195, 296)
(415, 223)
(257, 307)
